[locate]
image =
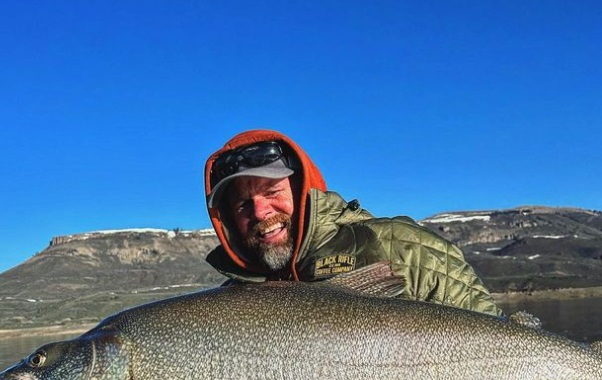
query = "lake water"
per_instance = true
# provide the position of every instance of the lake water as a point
(579, 319)
(14, 349)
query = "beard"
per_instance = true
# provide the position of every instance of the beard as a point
(275, 256)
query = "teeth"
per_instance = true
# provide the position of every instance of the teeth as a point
(271, 228)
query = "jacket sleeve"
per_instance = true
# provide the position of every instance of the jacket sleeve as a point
(434, 268)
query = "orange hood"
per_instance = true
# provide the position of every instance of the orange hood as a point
(309, 176)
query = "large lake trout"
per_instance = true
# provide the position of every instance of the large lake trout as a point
(350, 327)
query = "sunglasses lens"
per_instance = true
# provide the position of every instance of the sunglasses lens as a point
(224, 165)
(251, 156)
(261, 157)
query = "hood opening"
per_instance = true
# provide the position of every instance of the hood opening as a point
(307, 175)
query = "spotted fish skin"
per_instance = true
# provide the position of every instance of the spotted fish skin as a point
(295, 330)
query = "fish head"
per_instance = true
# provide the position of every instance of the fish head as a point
(97, 356)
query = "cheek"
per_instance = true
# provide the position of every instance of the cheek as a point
(242, 224)
(290, 208)
(286, 206)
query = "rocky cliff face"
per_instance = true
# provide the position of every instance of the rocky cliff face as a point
(528, 248)
(95, 274)
(86, 277)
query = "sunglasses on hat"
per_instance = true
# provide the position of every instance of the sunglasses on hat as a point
(255, 155)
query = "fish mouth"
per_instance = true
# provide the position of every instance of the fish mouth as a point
(7, 375)
(17, 376)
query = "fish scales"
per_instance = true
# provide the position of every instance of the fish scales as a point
(294, 330)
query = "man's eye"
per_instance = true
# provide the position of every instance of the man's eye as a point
(240, 206)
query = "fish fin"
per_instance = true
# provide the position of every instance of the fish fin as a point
(525, 319)
(376, 279)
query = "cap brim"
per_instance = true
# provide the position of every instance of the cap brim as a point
(275, 170)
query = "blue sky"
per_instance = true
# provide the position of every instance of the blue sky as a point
(109, 109)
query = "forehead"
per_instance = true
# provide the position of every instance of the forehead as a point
(246, 186)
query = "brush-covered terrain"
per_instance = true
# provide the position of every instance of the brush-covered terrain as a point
(86, 277)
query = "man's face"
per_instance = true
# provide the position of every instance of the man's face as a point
(262, 210)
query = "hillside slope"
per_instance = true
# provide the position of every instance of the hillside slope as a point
(85, 277)
(95, 274)
(528, 248)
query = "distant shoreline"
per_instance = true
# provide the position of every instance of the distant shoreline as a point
(46, 330)
(552, 294)
(505, 298)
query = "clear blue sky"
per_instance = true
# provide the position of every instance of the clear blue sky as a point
(109, 109)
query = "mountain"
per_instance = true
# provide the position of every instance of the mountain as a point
(528, 248)
(86, 277)
(95, 274)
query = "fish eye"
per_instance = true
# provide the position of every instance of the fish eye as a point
(37, 360)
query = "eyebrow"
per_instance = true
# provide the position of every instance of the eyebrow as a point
(236, 193)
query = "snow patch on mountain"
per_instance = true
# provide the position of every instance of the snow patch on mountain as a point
(450, 218)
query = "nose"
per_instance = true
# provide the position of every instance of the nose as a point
(262, 208)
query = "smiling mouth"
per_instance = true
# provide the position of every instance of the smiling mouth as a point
(272, 230)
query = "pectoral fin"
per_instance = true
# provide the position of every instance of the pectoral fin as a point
(376, 279)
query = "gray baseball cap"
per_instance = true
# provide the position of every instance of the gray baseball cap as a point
(275, 170)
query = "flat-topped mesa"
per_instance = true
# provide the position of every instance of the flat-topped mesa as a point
(63, 239)
(486, 215)
(503, 227)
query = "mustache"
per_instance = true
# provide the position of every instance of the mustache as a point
(264, 224)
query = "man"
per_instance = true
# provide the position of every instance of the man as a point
(276, 221)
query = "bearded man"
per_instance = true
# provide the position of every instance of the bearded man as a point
(276, 220)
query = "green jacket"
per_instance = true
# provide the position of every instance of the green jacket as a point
(341, 236)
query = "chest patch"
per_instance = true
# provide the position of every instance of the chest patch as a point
(334, 264)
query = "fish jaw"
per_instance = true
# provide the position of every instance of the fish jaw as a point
(94, 356)
(15, 373)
